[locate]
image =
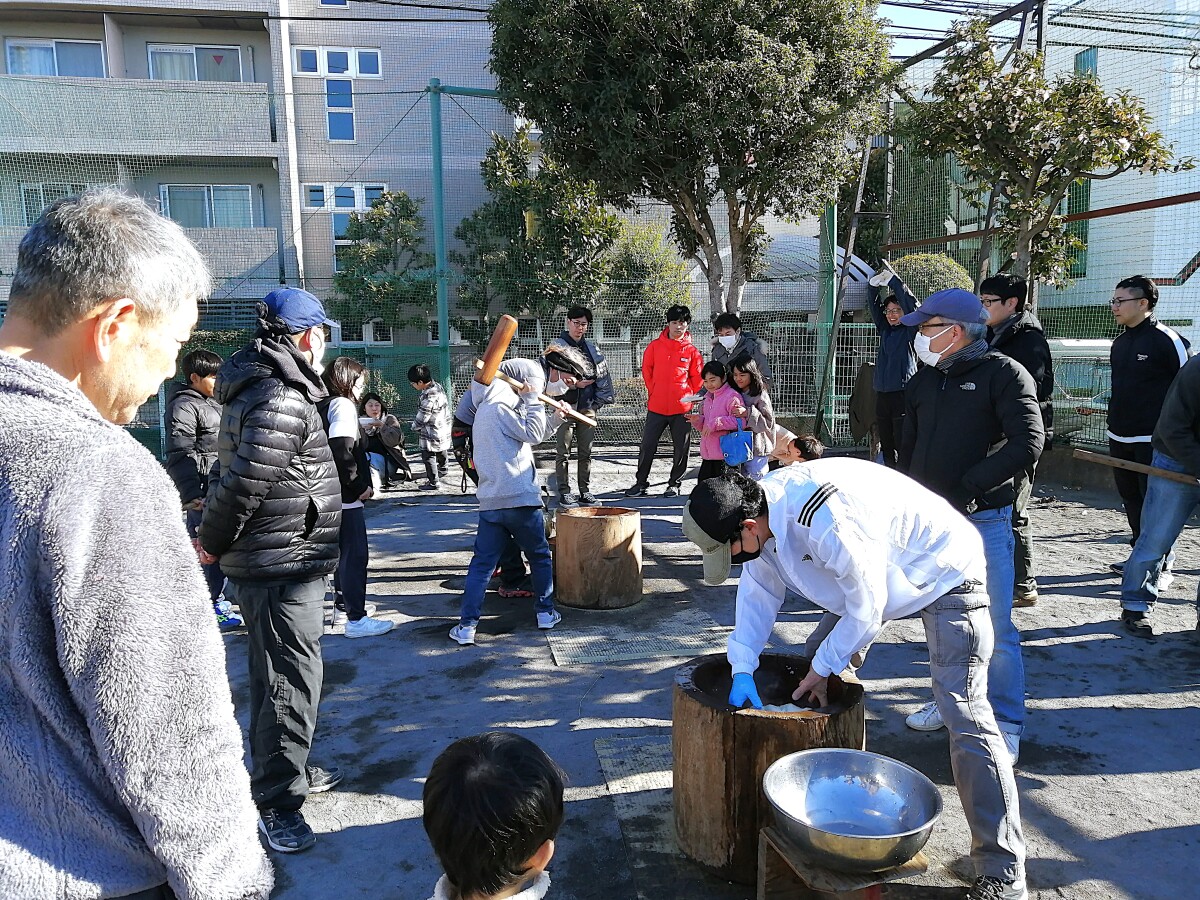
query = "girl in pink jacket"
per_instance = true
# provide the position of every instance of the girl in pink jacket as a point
(722, 405)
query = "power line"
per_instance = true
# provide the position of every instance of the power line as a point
(276, 18)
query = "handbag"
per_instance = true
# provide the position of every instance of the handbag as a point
(737, 446)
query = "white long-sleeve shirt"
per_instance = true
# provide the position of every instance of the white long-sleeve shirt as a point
(858, 539)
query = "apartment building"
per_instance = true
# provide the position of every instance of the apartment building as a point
(258, 125)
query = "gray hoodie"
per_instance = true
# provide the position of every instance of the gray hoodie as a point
(122, 762)
(506, 428)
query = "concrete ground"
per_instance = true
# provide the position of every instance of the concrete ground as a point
(1110, 765)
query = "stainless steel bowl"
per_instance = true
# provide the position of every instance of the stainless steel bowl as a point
(850, 810)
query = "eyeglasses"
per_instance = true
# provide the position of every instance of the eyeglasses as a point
(1117, 301)
(935, 325)
(988, 301)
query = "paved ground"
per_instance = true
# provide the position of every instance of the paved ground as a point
(1110, 766)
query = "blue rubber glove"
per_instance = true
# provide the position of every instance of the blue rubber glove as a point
(744, 690)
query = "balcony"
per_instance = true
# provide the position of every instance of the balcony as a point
(120, 116)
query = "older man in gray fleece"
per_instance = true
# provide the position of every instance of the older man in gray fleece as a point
(121, 759)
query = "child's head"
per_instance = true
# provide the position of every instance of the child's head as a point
(419, 376)
(746, 376)
(200, 370)
(493, 804)
(714, 375)
(804, 448)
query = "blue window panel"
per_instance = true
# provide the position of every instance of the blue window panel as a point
(372, 192)
(368, 62)
(314, 195)
(339, 93)
(306, 61)
(341, 221)
(341, 126)
(344, 197)
(333, 2)
(337, 62)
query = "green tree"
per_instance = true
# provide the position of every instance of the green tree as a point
(1023, 139)
(645, 278)
(539, 245)
(724, 109)
(928, 273)
(385, 274)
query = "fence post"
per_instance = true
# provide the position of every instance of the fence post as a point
(825, 321)
(439, 230)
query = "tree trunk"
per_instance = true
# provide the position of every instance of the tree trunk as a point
(1024, 260)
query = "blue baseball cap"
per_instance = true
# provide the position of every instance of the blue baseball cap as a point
(295, 309)
(954, 304)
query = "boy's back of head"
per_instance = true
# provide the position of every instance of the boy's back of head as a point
(493, 802)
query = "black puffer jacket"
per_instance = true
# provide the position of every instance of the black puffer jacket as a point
(968, 431)
(1024, 340)
(193, 421)
(275, 512)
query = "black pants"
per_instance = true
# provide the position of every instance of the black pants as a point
(512, 565)
(889, 419)
(350, 580)
(1131, 485)
(712, 468)
(427, 457)
(681, 437)
(284, 621)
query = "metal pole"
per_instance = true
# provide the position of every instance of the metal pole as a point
(825, 323)
(435, 91)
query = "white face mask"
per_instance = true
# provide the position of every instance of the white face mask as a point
(921, 345)
(556, 388)
(727, 340)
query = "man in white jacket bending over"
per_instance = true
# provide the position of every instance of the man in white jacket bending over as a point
(872, 545)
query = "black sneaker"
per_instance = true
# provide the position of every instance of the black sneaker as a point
(285, 830)
(1119, 568)
(321, 780)
(567, 500)
(587, 498)
(638, 490)
(1138, 624)
(671, 491)
(988, 888)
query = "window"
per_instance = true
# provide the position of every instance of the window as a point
(314, 196)
(81, 59)
(1085, 62)
(342, 196)
(455, 337)
(36, 197)
(373, 192)
(341, 222)
(208, 205)
(348, 62)
(339, 102)
(333, 2)
(186, 62)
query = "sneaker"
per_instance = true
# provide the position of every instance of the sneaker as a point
(464, 634)
(927, 718)
(368, 627)
(509, 593)
(671, 491)
(340, 617)
(587, 498)
(548, 620)
(638, 490)
(227, 619)
(567, 500)
(988, 888)
(428, 486)
(1119, 568)
(1012, 743)
(1025, 599)
(1138, 624)
(1165, 578)
(285, 830)
(322, 780)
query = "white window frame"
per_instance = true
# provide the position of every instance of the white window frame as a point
(181, 48)
(456, 339)
(342, 110)
(324, 195)
(360, 195)
(323, 62)
(40, 187)
(53, 44)
(165, 203)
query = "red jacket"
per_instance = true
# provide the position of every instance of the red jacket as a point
(671, 370)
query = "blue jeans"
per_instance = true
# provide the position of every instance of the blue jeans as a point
(497, 527)
(1006, 672)
(1165, 511)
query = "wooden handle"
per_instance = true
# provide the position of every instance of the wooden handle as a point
(1130, 466)
(494, 354)
(507, 379)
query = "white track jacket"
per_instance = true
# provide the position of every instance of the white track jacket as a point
(858, 539)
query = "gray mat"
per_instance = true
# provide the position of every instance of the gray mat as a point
(689, 632)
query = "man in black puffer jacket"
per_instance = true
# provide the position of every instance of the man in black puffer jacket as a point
(272, 519)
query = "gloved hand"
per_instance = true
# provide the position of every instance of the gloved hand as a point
(743, 691)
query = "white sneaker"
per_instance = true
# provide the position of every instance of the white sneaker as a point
(1165, 577)
(340, 617)
(368, 627)
(464, 634)
(927, 718)
(1013, 743)
(546, 621)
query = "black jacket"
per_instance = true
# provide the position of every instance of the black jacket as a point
(275, 512)
(1024, 340)
(1145, 360)
(192, 424)
(968, 431)
(1178, 431)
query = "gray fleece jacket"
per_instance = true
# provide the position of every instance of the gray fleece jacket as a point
(505, 430)
(120, 757)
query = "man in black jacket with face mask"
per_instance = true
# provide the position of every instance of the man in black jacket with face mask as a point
(273, 519)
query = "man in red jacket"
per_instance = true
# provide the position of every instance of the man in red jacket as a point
(671, 369)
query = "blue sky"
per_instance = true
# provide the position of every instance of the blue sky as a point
(907, 21)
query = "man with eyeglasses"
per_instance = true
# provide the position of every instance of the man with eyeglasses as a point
(1015, 331)
(971, 427)
(1145, 358)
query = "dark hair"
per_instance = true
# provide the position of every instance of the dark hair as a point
(893, 300)
(1005, 286)
(727, 320)
(1141, 283)
(490, 802)
(580, 312)
(679, 313)
(715, 368)
(746, 364)
(341, 374)
(754, 501)
(201, 363)
(369, 396)
(808, 446)
(419, 374)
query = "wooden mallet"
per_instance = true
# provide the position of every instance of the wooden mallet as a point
(1131, 466)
